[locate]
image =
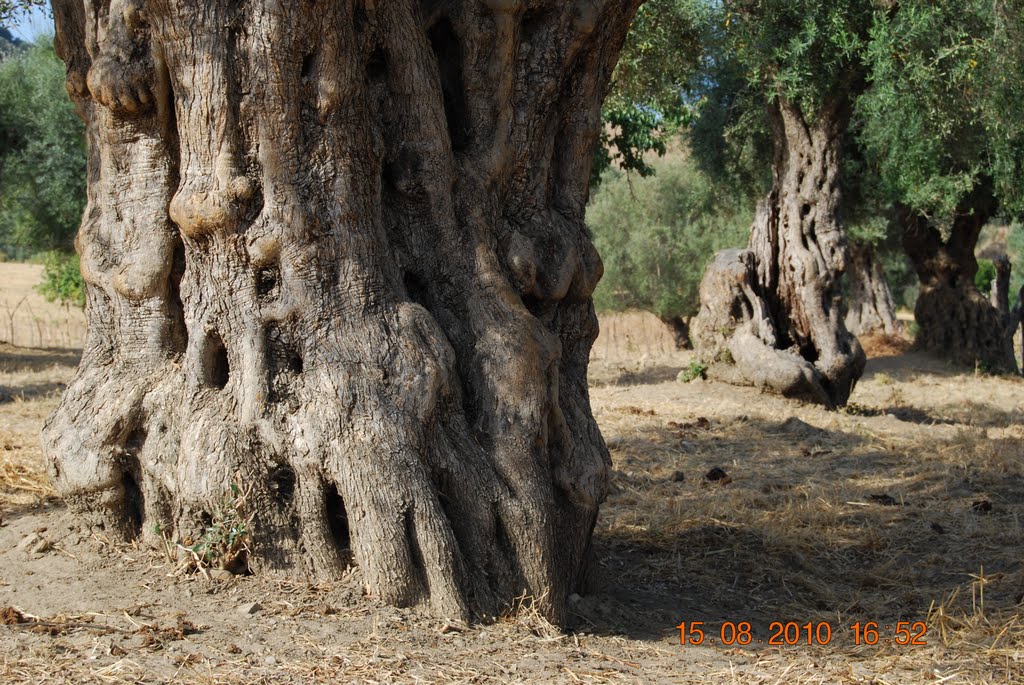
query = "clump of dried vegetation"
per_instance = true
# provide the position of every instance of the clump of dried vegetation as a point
(879, 344)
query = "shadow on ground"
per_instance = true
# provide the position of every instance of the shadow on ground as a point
(973, 414)
(809, 525)
(28, 374)
(25, 360)
(30, 391)
(642, 375)
(913, 363)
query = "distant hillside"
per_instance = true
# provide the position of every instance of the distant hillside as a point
(8, 43)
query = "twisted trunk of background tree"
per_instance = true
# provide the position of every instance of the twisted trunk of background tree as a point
(1000, 298)
(771, 315)
(336, 255)
(954, 319)
(871, 307)
(1000, 295)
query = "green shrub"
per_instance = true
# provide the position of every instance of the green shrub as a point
(656, 235)
(695, 370)
(62, 279)
(986, 274)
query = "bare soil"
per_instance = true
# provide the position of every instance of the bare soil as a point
(905, 507)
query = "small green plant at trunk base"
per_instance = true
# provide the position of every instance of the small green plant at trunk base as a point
(223, 543)
(695, 370)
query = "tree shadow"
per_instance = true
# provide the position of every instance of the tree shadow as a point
(30, 391)
(902, 413)
(909, 364)
(811, 525)
(973, 414)
(649, 375)
(45, 506)
(22, 360)
(34, 373)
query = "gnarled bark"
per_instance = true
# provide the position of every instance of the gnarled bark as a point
(335, 255)
(870, 306)
(954, 319)
(771, 315)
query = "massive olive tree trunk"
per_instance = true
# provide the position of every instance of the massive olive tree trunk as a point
(870, 307)
(336, 257)
(771, 315)
(954, 319)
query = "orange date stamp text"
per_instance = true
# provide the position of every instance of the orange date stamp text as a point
(811, 633)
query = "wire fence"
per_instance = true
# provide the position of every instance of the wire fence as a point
(23, 325)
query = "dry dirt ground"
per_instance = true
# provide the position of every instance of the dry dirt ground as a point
(905, 507)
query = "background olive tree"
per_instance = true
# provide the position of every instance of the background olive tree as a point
(924, 98)
(42, 163)
(940, 129)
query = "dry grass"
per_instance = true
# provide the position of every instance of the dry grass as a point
(873, 514)
(30, 383)
(27, 319)
(879, 514)
(881, 345)
(23, 478)
(633, 336)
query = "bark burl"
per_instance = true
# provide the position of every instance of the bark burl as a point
(771, 315)
(335, 255)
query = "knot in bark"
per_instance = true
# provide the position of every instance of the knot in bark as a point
(202, 211)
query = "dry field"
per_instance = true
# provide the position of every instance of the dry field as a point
(905, 507)
(27, 319)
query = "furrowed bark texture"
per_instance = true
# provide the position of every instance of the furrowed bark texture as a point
(871, 307)
(771, 315)
(954, 319)
(336, 256)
